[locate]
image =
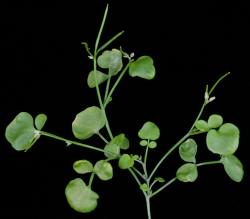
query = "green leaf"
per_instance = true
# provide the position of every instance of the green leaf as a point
(233, 167)
(40, 121)
(143, 143)
(144, 187)
(202, 125)
(126, 161)
(21, 133)
(100, 77)
(187, 173)
(149, 131)
(152, 144)
(121, 140)
(143, 67)
(111, 60)
(112, 150)
(80, 197)
(224, 141)
(88, 122)
(83, 166)
(188, 150)
(103, 170)
(159, 179)
(215, 121)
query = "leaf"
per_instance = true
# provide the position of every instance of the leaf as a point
(187, 173)
(159, 179)
(126, 161)
(202, 125)
(100, 77)
(40, 121)
(152, 144)
(20, 133)
(80, 197)
(224, 141)
(188, 150)
(111, 60)
(83, 166)
(88, 122)
(112, 150)
(143, 143)
(121, 140)
(233, 167)
(149, 131)
(144, 187)
(215, 121)
(103, 170)
(143, 67)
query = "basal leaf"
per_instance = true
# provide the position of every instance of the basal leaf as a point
(100, 77)
(80, 197)
(88, 122)
(143, 67)
(215, 121)
(149, 131)
(188, 150)
(103, 170)
(187, 173)
(83, 166)
(233, 167)
(20, 133)
(40, 121)
(223, 141)
(111, 60)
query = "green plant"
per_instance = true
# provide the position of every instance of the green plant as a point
(222, 139)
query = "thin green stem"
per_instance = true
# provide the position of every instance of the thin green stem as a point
(102, 137)
(69, 142)
(208, 163)
(91, 179)
(139, 173)
(145, 162)
(116, 84)
(109, 42)
(167, 154)
(198, 117)
(101, 29)
(107, 87)
(163, 187)
(217, 82)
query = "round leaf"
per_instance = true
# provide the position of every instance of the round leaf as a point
(103, 170)
(188, 150)
(152, 144)
(187, 173)
(233, 167)
(202, 125)
(143, 67)
(149, 131)
(215, 121)
(100, 77)
(224, 141)
(88, 122)
(121, 140)
(111, 60)
(83, 166)
(143, 143)
(112, 150)
(40, 121)
(80, 197)
(20, 133)
(125, 161)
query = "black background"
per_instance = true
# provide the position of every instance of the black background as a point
(43, 68)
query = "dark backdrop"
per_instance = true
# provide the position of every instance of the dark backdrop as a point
(43, 68)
